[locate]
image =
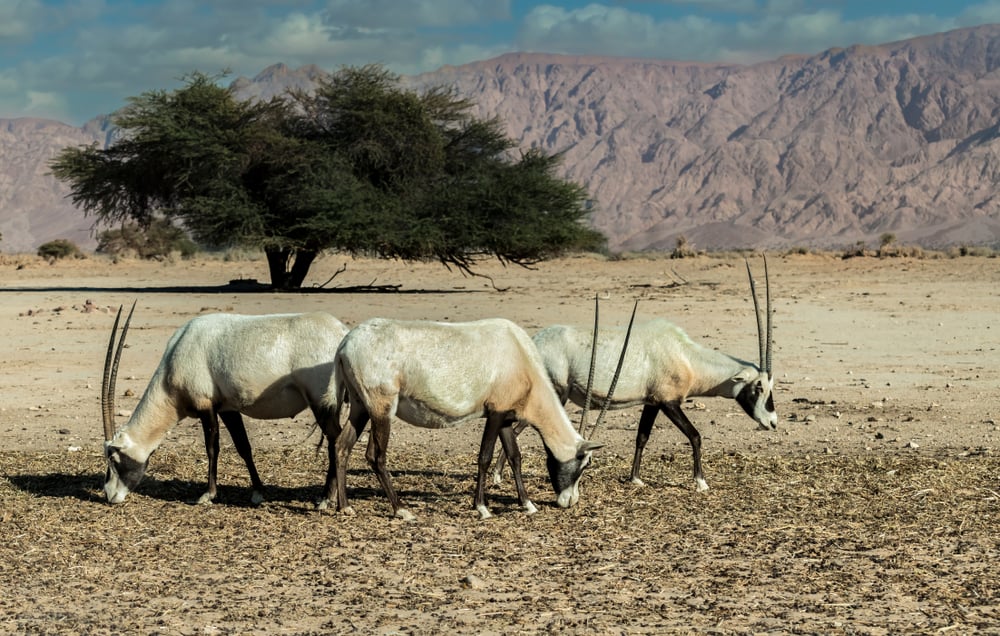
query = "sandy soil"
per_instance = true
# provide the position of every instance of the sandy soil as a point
(872, 509)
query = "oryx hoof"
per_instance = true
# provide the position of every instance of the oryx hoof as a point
(204, 500)
(484, 512)
(702, 485)
(405, 515)
(257, 498)
(637, 481)
(529, 508)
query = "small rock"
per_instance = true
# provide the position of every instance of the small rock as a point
(473, 582)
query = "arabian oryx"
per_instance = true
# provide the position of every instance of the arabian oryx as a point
(663, 367)
(438, 375)
(267, 367)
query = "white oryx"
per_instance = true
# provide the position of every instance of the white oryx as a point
(267, 367)
(438, 375)
(663, 367)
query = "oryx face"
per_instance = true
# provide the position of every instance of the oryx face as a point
(756, 399)
(565, 476)
(123, 474)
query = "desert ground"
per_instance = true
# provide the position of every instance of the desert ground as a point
(874, 508)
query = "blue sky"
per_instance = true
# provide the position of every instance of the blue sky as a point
(74, 59)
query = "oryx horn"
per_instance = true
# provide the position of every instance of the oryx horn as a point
(767, 292)
(593, 362)
(764, 345)
(618, 371)
(111, 374)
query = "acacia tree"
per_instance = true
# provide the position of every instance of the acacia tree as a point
(360, 165)
(452, 188)
(223, 167)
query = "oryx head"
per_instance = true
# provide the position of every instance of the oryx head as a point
(124, 473)
(756, 395)
(565, 476)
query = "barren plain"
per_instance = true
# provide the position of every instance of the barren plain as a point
(873, 509)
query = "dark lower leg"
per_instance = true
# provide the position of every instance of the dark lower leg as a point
(238, 432)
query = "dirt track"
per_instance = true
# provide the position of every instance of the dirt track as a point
(873, 509)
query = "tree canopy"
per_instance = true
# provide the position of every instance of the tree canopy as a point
(360, 165)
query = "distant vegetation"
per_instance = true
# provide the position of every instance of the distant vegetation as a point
(160, 240)
(59, 248)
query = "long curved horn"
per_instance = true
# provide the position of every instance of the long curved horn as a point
(618, 371)
(593, 364)
(111, 374)
(756, 311)
(767, 292)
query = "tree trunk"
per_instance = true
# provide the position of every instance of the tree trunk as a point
(300, 267)
(284, 276)
(277, 265)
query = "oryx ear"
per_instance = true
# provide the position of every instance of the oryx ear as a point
(587, 445)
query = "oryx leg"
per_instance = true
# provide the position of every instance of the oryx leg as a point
(673, 411)
(502, 456)
(329, 422)
(378, 444)
(490, 432)
(508, 439)
(238, 432)
(210, 427)
(339, 452)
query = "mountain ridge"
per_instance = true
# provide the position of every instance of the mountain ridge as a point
(821, 150)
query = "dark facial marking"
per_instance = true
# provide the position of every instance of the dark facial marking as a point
(563, 474)
(747, 397)
(130, 471)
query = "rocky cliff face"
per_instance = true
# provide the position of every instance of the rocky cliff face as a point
(33, 207)
(822, 150)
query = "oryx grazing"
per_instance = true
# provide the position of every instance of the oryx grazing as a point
(663, 367)
(266, 367)
(438, 375)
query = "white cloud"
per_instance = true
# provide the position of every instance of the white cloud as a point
(18, 20)
(982, 13)
(151, 45)
(410, 14)
(602, 30)
(734, 6)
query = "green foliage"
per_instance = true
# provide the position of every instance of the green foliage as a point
(360, 165)
(59, 248)
(160, 239)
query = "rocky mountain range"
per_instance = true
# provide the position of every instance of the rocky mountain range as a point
(803, 151)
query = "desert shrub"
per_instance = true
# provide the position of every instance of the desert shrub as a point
(857, 250)
(683, 249)
(241, 254)
(971, 250)
(157, 241)
(59, 248)
(887, 245)
(909, 251)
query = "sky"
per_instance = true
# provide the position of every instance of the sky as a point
(72, 60)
